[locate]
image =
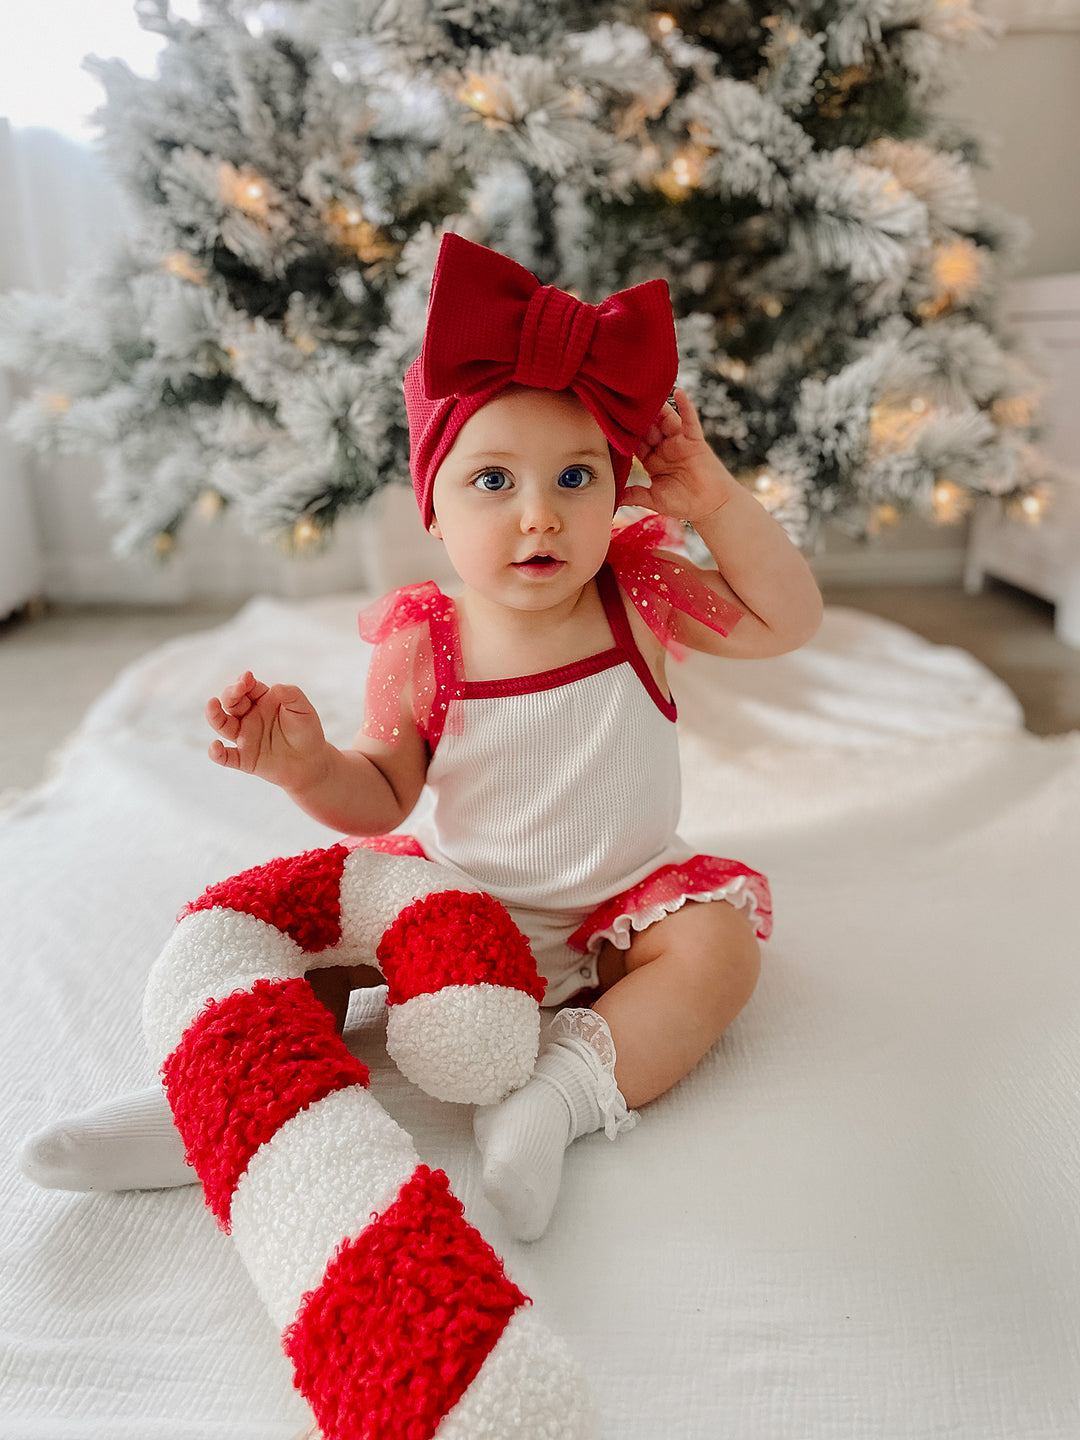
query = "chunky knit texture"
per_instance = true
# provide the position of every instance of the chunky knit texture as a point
(298, 894)
(403, 1321)
(245, 1066)
(399, 1318)
(455, 938)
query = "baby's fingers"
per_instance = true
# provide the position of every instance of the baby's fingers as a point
(239, 697)
(668, 422)
(690, 424)
(224, 755)
(219, 719)
(291, 697)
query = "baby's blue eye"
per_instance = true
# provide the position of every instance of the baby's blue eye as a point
(493, 480)
(575, 477)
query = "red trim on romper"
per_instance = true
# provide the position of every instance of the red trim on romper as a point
(300, 894)
(455, 937)
(697, 876)
(406, 1314)
(545, 679)
(243, 1067)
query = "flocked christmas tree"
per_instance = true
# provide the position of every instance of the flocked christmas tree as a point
(836, 279)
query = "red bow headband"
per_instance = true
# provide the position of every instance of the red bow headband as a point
(492, 324)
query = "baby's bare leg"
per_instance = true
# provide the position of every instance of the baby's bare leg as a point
(673, 993)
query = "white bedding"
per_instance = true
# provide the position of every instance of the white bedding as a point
(857, 1220)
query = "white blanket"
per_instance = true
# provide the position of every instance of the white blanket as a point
(857, 1220)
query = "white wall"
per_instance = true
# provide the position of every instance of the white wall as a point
(1023, 95)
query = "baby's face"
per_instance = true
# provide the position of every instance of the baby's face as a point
(525, 498)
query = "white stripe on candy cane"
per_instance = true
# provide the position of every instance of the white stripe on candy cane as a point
(376, 887)
(315, 1183)
(529, 1387)
(472, 1044)
(210, 955)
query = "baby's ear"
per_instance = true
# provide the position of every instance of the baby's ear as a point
(433, 528)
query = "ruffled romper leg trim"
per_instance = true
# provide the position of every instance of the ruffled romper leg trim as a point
(701, 878)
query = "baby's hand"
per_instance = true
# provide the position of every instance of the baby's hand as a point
(274, 729)
(688, 479)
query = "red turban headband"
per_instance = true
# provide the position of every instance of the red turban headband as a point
(492, 324)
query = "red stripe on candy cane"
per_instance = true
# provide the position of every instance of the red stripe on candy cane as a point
(455, 937)
(300, 895)
(244, 1066)
(404, 1318)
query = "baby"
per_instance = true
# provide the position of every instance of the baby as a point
(536, 708)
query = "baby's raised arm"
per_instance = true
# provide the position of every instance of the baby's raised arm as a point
(758, 568)
(274, 731)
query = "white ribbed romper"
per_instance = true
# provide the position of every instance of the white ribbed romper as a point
(561, 791)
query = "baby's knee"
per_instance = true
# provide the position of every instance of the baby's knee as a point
(734, 956)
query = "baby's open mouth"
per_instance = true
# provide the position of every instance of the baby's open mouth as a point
(538, 562)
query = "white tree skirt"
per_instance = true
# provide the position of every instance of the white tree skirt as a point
(857, 1220)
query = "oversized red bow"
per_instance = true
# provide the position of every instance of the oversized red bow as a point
(492, 324)
(490, 319)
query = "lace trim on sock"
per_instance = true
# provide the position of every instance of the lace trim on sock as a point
(592, 1033)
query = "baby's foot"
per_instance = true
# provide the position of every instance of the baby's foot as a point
(126, 1144)
(523, 1140)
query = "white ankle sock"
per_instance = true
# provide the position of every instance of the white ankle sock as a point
(126, 1144)
(524, 1137)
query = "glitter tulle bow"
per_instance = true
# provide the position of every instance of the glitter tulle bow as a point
(663, 587)
(417, 656)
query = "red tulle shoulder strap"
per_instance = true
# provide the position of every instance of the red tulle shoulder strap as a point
(417, 649)
(661, 587)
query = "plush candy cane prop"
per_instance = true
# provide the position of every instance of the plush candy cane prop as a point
(398, 1317)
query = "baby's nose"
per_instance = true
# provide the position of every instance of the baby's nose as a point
(538, 513)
